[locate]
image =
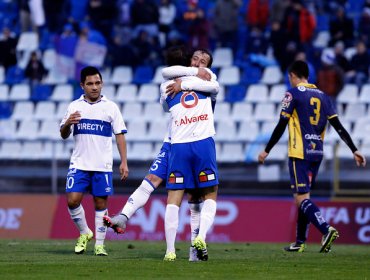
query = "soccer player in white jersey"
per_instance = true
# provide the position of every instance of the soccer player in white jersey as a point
(192, 163)
(92, 119)
(158, 170)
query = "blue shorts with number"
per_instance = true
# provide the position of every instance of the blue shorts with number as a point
(95, 182)
(302, 174)
(160, 163)
(192, 165)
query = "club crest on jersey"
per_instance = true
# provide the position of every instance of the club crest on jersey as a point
(176, 178)
(207, 175)
(286, 100)
(189, 99)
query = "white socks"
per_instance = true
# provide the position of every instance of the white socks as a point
(207, 216)
(194, 219)
(171, 223)
(78, 217)
(138, 199)
(100, 228)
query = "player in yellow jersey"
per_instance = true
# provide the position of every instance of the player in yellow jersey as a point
(306, 110)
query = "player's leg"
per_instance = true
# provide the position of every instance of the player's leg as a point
(179, 177)
(171, 222)
(303, 176)
(195, 205)
(77, 183)
(207, 180)
(157, 173)
(102, 187)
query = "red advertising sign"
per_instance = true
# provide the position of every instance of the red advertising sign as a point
(26, 216)
(237, 219)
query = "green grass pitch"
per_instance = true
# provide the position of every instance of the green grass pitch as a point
(55, 259)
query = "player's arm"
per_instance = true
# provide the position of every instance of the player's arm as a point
(122, 149)
(207, 87)
(67, 122)
(344, 135)
(275, 137)
(173, 72)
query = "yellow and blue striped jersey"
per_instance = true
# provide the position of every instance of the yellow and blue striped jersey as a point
(308, 110)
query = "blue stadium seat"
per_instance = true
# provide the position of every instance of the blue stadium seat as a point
(5, 110)
(41, 92)
(14, 75)
(143, 74)
(235, 93)
(251, 74)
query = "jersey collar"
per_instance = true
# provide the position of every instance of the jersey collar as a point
(306, 85)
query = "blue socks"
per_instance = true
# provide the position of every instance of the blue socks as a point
(312, 214)
(302, 227)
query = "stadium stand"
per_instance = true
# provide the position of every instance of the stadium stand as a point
(248, 102)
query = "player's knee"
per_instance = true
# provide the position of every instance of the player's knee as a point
(154, 180)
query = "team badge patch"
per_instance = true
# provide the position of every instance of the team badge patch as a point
(286, 100)
(207, 175)
(176, 178)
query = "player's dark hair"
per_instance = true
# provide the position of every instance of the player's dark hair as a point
(177, 55)
(89, 71)
(208, 53)
(299, 68)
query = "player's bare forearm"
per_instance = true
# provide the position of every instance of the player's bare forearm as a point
(122, 149)
(65, 130)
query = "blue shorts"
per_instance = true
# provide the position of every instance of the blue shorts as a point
(192, 165)
(95, 182)
(302, 174)
(160, 164)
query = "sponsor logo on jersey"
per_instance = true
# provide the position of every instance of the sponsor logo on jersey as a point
(312, 145)
(176, 178)
(189, 99)
(108, 189)
(186, 120)
(301, 88)
(207, 175)
(312, 137)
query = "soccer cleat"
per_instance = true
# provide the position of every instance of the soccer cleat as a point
(328, 239)
(294, 247)
(117, 223)
(201, 248)
(99, 250)
(193, 254)
(169, 257)
(81, 244)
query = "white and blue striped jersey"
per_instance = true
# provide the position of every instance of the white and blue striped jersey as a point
(93, 134)
(191, 113)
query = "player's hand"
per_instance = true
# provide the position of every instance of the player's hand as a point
(74, 118)
(123, 171)
(203, 74)
(174, 88)
(360, 159)
(262, 156)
